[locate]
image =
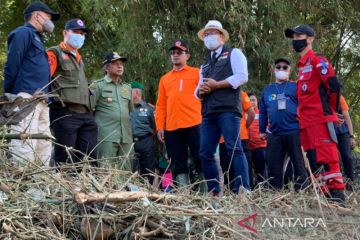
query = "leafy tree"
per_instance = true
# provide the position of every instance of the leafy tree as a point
(143, 30)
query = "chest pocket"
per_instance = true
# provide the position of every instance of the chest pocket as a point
(108, 96)
(37, 52)
(188, 85)
(220, 64)
(305, 83)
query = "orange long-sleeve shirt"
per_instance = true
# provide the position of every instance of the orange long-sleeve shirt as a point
(246, 105)
(176, 105)
(254, 133)
(53, 58)
(343, 104)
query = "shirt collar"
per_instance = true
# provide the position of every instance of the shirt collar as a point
(185, 67)
(33, 28)
(108, 79)
(307, 55)
(71, 50)
(142, 103)
(30, 26)
(218, 51)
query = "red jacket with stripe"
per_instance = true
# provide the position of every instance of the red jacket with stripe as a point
(318, 90)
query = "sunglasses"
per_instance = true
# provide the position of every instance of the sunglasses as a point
(177, 52)
(284, 67)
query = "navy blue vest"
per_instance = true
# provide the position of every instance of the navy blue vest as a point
(225, 99)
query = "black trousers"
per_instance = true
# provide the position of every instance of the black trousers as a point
(345, 153)
(258, 160)
(177, 144)
(146, 157)
(277, 148)
(76, 130)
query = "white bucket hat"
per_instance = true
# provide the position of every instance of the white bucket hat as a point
(213, 24)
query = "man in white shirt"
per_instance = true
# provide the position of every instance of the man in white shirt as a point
(222, 74)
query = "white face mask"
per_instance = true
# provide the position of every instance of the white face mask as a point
(76, 40)
(282, 75)
(211, 42)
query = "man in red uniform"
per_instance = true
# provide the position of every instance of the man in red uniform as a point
(318, 91)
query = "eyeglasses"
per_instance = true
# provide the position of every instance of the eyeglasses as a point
(211, 33)
(177, 52)
(284, 67)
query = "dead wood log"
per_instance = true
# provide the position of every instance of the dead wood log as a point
(119, 197)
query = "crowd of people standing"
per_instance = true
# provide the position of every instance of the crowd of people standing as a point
(199, 113)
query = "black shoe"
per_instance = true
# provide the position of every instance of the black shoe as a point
(337, 196)
(350, 186)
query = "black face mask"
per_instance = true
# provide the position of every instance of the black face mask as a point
(299, 45)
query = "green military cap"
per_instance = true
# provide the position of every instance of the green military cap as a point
(135, 84)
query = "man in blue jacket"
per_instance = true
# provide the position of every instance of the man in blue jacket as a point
(279, 124)
(27, 70)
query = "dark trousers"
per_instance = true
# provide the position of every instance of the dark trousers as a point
(213, 126)
(258, 160)
(76, 130)
(246, 147)
(177, 144)
(145, 162)
(225, 163)
(277, 148)
(345, 153)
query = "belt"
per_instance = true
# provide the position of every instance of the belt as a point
(74, 107)
(137, 139)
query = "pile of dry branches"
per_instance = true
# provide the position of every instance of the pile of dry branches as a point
(94, 203)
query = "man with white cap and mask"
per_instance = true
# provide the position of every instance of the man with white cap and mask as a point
(222, 74)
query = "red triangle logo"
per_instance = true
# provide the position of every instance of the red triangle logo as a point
(242, 223)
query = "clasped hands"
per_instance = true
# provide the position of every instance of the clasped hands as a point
(207, 86)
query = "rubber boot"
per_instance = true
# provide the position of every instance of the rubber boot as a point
(182, 180)
(202, 186)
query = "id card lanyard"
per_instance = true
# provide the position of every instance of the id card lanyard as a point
(281, 98)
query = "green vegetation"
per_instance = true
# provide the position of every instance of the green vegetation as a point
(143, 30)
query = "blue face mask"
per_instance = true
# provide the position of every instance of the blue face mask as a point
(211, 41)
(76, 40)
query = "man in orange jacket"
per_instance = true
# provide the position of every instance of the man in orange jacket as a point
(178, 113)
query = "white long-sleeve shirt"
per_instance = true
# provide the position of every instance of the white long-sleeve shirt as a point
(238, 65)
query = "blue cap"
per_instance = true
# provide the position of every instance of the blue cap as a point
(74, 24)
(40, 6)
(301, 29)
